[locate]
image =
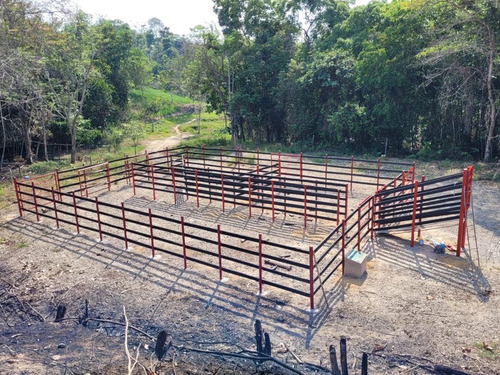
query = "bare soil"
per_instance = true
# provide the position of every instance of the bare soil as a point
(413, 309)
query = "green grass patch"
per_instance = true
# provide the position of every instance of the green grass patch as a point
(43, 167)
(490, 351)
(213, 131)
(150, 94)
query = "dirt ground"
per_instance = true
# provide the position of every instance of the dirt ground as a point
(413, 309)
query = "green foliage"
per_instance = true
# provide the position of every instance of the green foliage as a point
(135, 132)
(99, 103)
(113, 138)
(417, 77)
(43, 167)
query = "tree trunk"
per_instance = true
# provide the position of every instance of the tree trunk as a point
(72, 130)
(199, 116)
(234, 132)
(4, 135)
(491, 99)
(27, 142)
(45, 150)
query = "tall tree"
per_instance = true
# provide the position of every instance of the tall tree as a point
(69, 72)
(462, 61)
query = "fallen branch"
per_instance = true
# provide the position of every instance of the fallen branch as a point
(293, 355)
(270, 262)
(254, 356)
(114, 322)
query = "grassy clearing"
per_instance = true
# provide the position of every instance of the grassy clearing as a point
(212, 131)
(160, 111)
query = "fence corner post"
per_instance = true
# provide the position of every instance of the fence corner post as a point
(18, 197)
(414, 213)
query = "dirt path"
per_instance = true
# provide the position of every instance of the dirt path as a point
(172, 141)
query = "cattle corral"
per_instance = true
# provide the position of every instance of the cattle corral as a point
(282, 222)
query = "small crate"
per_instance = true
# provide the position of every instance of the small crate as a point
(355, 264)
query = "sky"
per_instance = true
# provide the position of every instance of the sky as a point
(178, 15)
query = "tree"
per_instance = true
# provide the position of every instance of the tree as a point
(139, 68)
(206, 70)
(259, 42)
(69, 71)
(462, 61)
(23, 34)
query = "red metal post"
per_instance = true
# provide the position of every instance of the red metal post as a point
(370, 217)
(343, 245)
(133, 176)
(125, 168)
(152, 166)
(85, 181)
(260, 264)
(151, 233)
(272, 198)
(187, 156)
(352, 169)
(346, 198)
(80, 183)
(184, 254)
(311, 277)
(373, 212)
(461, 219)
(35, 201)
(359, 228)
(197, 191)
(76, 214)
(98, 218)
(305, 206)
(55, 208)
(173, 185)
(124, 227)
(220, 251)
(249, 197)
(108, 176)
(338, 206)
(403, 178)
(18, 197)
(413, 171)
(222, 186)
(58, 184)
(414, 213)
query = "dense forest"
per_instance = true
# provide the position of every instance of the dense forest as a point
(415, 77)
